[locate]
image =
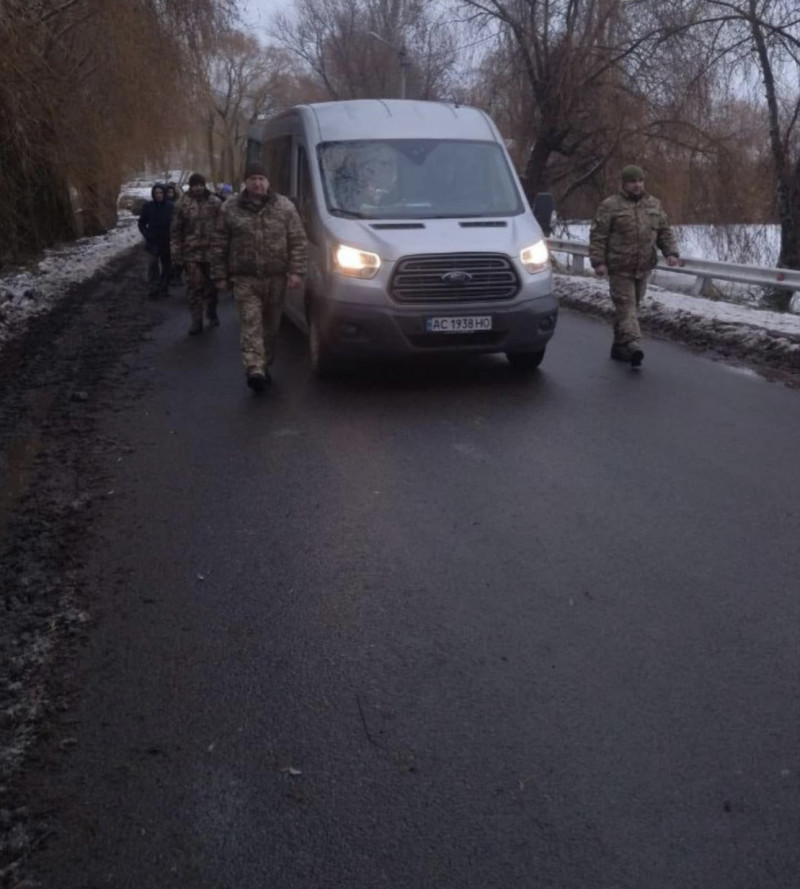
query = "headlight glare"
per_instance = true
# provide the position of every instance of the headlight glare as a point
(355, 263)
(535, 258)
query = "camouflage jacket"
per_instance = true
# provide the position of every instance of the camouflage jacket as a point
(625, 233)
(193, 226)
(254, 239)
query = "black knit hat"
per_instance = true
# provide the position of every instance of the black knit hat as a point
(255, 168)
(197, 179)
(632, 173)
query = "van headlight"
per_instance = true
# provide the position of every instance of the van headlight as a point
(355, 263)
(535, 258)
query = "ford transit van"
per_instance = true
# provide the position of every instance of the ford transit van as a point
(421, 239)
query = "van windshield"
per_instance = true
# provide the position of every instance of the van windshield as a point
(417, 179)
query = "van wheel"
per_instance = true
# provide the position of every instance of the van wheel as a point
(525, 361)
(323, 365)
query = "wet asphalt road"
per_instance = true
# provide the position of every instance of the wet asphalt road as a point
(441, 628)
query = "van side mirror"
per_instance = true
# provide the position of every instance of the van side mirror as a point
(544, 209)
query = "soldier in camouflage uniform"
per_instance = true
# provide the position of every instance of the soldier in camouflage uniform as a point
(173, 194)
(192, 228)
(624, 235)
(259, 246)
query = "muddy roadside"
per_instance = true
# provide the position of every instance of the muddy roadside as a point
(68, 367)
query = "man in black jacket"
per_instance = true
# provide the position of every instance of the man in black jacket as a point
(155, 221)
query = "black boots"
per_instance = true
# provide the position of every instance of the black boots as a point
(634, 357)
(211, 312)
(257, 380)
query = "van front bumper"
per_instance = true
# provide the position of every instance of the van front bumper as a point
(356, 329)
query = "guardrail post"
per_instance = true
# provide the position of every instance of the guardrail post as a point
(577, 264)
(700, 285)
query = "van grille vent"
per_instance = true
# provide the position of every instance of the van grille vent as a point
(454, 278)
(495, 223)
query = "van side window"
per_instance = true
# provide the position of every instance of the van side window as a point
(255, 151)
(277, 157)
(279, 164)
(303, 187)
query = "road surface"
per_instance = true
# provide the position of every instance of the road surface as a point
(435, 627)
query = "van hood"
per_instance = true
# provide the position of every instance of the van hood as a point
(394, 239)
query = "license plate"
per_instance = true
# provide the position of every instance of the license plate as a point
(462, 324)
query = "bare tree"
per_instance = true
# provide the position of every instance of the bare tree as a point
(245, 82)
(760, 39)
(574, 64)
(355, 48)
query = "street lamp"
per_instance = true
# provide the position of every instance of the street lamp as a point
(402, 58)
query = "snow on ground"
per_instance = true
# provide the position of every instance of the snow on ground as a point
(747, 244)
(659, 299)
(771, 338)
(25, 293)
(137, 191)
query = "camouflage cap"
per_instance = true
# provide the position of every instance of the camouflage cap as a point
(632, 173)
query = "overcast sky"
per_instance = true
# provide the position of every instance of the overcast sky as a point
(258, 13)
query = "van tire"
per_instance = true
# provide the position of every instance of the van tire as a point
(525, 362)
(323, 365)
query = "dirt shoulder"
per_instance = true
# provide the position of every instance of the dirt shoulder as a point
(68, 366)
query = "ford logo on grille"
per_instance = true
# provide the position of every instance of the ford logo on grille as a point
(456, 277)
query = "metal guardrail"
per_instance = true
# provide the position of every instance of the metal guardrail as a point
(705, 270)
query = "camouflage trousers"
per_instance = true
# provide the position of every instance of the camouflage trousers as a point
(627, 294)
(200, 290)
(260, 303)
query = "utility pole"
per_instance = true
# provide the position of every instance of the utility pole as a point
(402, 58)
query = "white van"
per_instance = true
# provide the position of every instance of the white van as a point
(420, 236)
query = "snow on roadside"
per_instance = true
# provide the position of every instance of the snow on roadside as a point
(747, 244)
(27, 293)
(758, 335)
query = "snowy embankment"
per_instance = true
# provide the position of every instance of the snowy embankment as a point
(26, 293)
(736, 331)
(733, 325)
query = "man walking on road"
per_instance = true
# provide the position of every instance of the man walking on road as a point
(192, 228)
(259, 246)
(624, 235)
(154, 224)
(174, 193)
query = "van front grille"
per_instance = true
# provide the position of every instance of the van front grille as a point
(454, 278)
